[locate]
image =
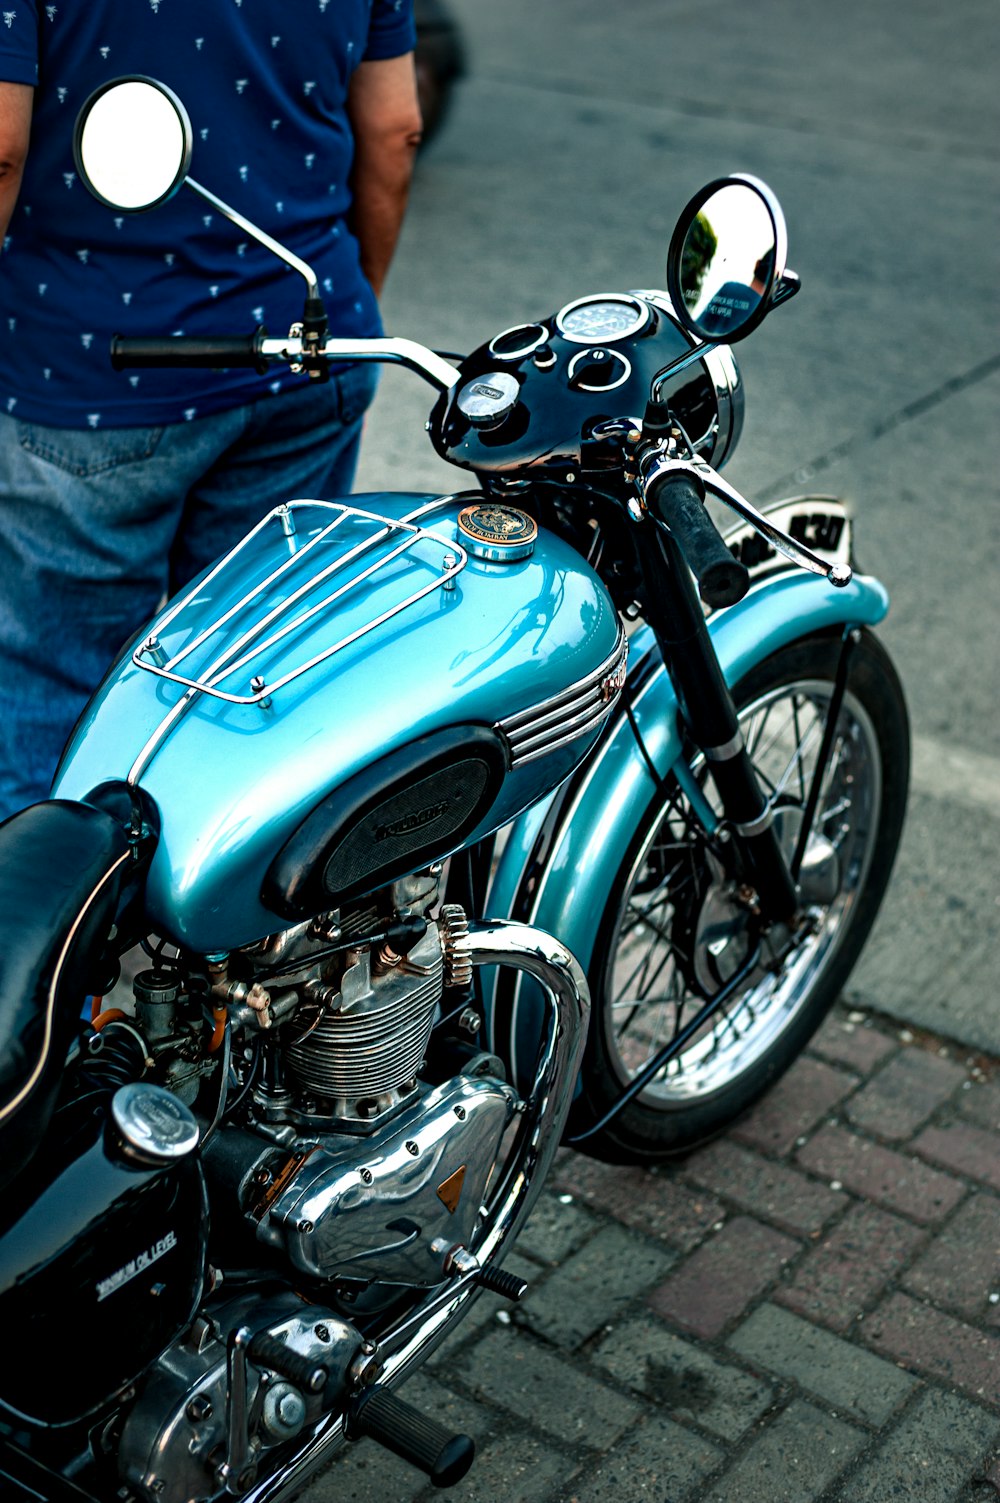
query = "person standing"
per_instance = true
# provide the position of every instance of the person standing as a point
(117, 488)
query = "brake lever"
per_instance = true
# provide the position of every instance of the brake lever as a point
(837, 574)
(628, 432)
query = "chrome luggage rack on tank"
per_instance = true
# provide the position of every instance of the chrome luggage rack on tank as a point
(387, 538)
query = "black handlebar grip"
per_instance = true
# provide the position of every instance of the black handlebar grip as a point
(722, 579)
(211, 352)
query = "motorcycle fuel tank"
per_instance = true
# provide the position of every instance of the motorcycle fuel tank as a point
(353, 692)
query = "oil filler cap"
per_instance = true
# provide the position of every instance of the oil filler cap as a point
(152, 1125)
(498, 534)
(487, 400)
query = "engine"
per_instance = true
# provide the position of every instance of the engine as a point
(349, 1161)
(341, 1154)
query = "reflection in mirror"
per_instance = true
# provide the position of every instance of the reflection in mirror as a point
(133, 144)
(727, 261)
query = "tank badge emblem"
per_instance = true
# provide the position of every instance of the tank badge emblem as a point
(450, 1193)
(613, 683)
(499, 534)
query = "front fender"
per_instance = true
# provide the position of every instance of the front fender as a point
(561, 858)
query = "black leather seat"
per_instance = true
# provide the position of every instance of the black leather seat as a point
(61, 869)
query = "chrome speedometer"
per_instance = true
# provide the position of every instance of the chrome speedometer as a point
(602, 319)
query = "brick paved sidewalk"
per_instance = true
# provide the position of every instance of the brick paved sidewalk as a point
(806, 1311)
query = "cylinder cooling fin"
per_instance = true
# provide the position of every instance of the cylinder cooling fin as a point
(373, 1040)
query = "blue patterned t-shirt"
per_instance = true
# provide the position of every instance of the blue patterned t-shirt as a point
(265, 84)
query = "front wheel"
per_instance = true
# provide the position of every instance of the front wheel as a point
(675, 927)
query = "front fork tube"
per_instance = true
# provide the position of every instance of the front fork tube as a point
(678, 622)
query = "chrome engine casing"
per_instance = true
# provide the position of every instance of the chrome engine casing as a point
(374, 1208)
(348, 1164)
(174, 1440)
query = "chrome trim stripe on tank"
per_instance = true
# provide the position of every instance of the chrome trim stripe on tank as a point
(414, 1338)
(575, 711)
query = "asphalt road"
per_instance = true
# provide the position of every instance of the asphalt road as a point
(579, 131)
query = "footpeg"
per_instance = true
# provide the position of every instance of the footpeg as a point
(498, 1282)
(415, 1437)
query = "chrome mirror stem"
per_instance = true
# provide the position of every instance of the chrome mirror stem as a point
(690, 357)
(275, 246)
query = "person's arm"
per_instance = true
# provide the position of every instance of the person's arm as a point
(15, 128)
(385, 119)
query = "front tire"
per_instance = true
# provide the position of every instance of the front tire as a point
(672, 919)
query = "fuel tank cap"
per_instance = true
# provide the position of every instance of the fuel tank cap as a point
(498, 534)
(487, 400)
(152, 1124)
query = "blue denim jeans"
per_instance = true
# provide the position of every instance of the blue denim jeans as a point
(97, 527)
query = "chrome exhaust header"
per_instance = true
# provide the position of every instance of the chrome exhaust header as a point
(542, 1119)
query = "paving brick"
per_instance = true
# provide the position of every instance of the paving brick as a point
(928, 1457)
(892, 1179)
(852, 1380)
(488, 1306)
(554, 1230)
(647, 1201)
(962, 1265)
(657, 1461)
(509, 1368)
(967, 1150)
(856, 1045)
(794, 1460)
(843, 1274)
(926, 1340)
(516, 1466)
(771, 1191)
(905, 1094)
(595, 1285)
(716, 1284)
(684, 1378)
(459, 1413)
(367, 1473)
(793, 1107)
(981, 1103)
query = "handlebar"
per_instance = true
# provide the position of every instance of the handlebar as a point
(257, 351)
(208, 352)
(674, 499)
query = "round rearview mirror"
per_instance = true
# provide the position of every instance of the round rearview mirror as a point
(132, 143)
(726, 256)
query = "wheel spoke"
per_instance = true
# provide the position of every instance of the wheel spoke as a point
(664, 908)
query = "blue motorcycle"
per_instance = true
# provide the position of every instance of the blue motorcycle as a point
(387, 797)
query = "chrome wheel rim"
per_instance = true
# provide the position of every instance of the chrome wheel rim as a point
(648, 998)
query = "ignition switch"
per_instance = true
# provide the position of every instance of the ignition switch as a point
(598, 370)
